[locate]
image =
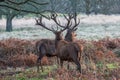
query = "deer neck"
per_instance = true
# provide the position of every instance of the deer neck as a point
(57, 40)
(68, 38)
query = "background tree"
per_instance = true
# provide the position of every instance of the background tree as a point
(9, 14)
(105, 6)
(2, 0)
(11, 8)
(74, 8)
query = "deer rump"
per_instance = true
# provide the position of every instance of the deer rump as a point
(46, 48)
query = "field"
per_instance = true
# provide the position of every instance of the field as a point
(98, 27)
(99, 34)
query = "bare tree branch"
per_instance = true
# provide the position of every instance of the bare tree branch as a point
(2, 0)
(27, 11)
(26, 1)
(33, 6)
(39, 3)
(17, 3)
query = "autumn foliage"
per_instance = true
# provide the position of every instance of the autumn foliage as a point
(95, 57)
(16, 53)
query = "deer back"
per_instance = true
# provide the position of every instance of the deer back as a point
(45, 46)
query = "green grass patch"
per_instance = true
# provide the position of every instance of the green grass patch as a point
(112, 66)
(32, 74)
(108, 65)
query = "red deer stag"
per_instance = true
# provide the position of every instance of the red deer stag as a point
(72, 27)
(66, 51)
(71, 35)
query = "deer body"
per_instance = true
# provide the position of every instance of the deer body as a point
(68, 51)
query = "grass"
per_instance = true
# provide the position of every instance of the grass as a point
(31, 74)
(109, 65)
(112, 66)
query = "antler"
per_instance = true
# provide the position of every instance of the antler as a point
(39, 22)
(74, 27)
(54, 18)
(69, 23)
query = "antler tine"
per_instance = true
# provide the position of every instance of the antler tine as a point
(53, 29)
(65, 17)
(64, 29)
(40, 19)
(57, 27)
(70, 24)
(76, 24)
(54, 18)
(39, 22)
(36, 21)
(71, 16)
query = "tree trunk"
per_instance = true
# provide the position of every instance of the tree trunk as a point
(0, 16)
(74, 9)
(9, 23)
(87, 6)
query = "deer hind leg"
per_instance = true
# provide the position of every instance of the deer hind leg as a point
(68, 66)
(76, 61)
(39, 61)
(61, 63)
(58, 62)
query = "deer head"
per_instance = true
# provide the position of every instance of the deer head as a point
(72, 24)
(70, 35)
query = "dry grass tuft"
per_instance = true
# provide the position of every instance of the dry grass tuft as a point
(16, 52)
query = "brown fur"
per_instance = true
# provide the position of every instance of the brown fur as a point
(44, 47)
(68, 51)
